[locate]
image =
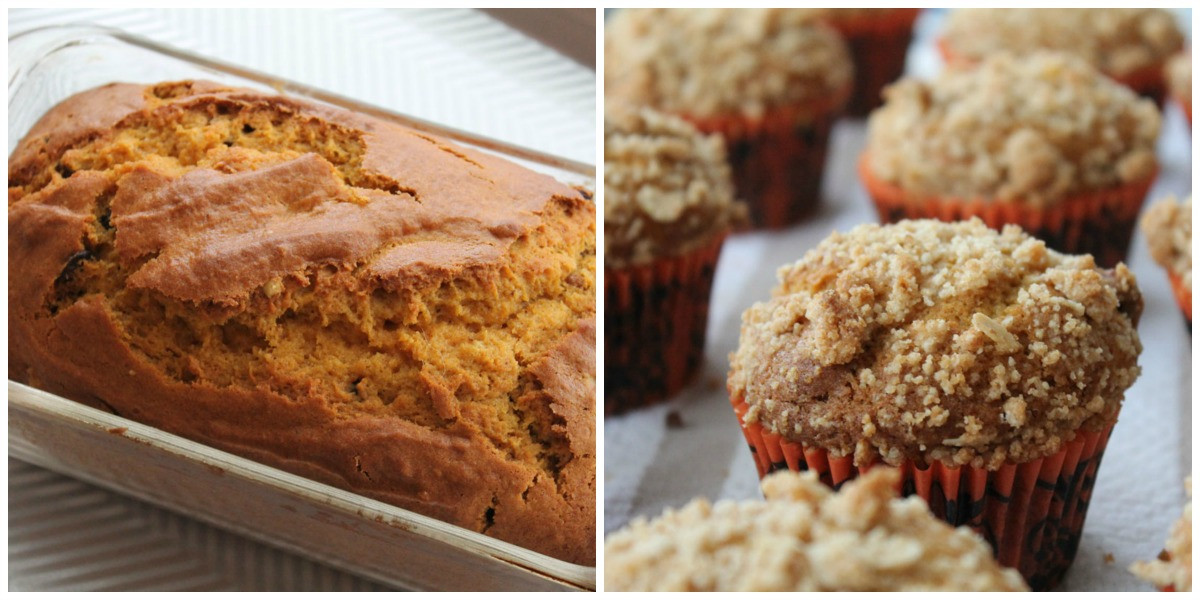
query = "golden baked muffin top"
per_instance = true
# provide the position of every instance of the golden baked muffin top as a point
(805, 537)
(1179, 77)
(1117, 41)
(1168, 228)
(320, 290)
(1034, 129)
(1174, 567)
(934, 341)
(667, 187)
(719, 62)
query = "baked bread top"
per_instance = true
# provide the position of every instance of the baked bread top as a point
(722, 62)
(1117, 41)
(1168, 228)
(319, 290)
(667, 187)
(1034, 129)
(931, 341)
(805, 537)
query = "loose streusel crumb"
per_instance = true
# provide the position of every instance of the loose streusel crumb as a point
(1034, 129)
(1179, 77)
(804, 537)
(1117, 41)
(1168, 229)
(1174, 569)
(667, 188)
(933, 341)
(708, 62)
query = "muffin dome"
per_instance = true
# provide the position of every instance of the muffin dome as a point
(667, 188)
(804, 537)
(708, 62)
(931, 341)
(1034, 129)
(1117, 41)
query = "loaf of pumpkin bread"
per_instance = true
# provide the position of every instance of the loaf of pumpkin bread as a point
(318, 290)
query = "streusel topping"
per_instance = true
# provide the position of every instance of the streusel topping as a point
(1117, 41)
(709, 62)
(667, 187)
(935, 341)
(1174, 567)
(805, 537)
(1033, 129)
(1168, 229)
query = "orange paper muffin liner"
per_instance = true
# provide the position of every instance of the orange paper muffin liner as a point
(1149, 81)
(777, 161)
(1032, 513)
(878, 46)
(1183, 296)
(1099, 223)
(654, 326)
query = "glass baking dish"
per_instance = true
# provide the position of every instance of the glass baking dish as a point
(354, 533)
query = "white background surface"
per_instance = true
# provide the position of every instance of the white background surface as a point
(454, 67)
(1139, 489)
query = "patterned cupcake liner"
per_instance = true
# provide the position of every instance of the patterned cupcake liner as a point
(1099, 223)
(1032, 513)
(1183, 296)
(654, 326)
(1149, 81)
(777, 161)
(879, 45)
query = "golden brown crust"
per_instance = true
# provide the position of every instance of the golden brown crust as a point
(1179, 77)
(667, 188)
(1117, 41)
(804, 537)
(1036, 129)
(710, 62)
(325, 292)
(1168, 229)
(932, 341)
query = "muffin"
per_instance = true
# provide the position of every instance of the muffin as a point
(1172, 572)
(878, 39)
(987, 368)
(1168, 229)
(1130, 45)
(668, 206)
(770, 81)
(1041, 141)
(807, 538)
(1179, 82)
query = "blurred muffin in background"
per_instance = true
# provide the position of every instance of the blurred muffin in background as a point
(770, 81)
(1179, 81)
(668, 206)
(1043, 141)
(878, 39)
(1130, 45)
(1168, 229)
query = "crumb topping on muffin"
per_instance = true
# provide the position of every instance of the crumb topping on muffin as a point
(934, 341)
(1174, 566)
(1179, 77)
(1168, 229)
(805, 537)
(667, 187)
(709, 62)
(1118, 41)
(1035, 129)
